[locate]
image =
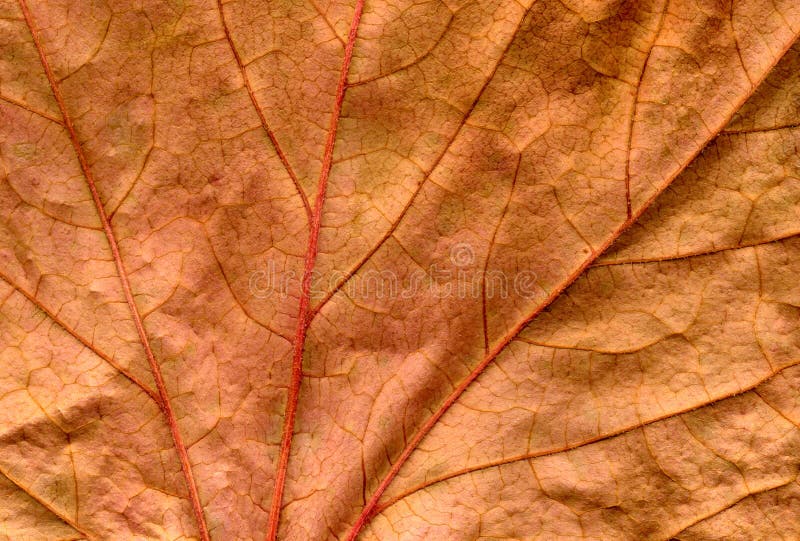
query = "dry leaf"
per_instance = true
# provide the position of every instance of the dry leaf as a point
(400, 270)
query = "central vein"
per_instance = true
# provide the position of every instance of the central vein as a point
(305, 295)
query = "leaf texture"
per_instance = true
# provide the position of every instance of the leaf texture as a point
(205, 207)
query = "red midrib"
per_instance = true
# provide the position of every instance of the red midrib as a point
(305, 296)
(166, 407)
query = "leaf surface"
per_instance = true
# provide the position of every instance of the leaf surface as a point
(399, 270)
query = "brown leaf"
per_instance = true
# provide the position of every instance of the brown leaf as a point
(399, 270)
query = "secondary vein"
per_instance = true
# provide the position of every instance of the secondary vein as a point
(369, 510)
(166, 407)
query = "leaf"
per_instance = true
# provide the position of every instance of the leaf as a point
(397, 270)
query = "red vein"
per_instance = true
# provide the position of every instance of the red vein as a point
(311, 257)
(260, 113)
(735, 38)
(689, 255)
(325, 19)
(489, 254)
(589, 441)
(734, 504)
(30, 109)
(344, 279)
(66, 520)
(84, 342)
(761, 130)
(369, 510)
(166, 407)
(635, 110)
(417, 60)
(242, 306)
